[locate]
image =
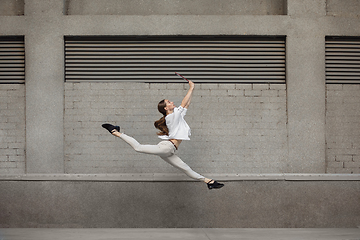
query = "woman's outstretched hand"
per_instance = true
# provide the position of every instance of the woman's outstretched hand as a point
(191, 84)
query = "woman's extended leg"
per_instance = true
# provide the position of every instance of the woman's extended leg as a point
(180, 164)
(160, 149)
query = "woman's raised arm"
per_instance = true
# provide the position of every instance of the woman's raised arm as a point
(187, 99)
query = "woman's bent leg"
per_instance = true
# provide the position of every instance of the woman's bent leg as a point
(180, 164)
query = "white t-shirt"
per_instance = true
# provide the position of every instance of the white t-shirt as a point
(178, 128)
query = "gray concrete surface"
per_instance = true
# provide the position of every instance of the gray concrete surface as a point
(44, 88)
(175, 7)
(240, 204)
(183, 234)
(11, 7)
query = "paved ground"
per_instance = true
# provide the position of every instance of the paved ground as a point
(180, 233)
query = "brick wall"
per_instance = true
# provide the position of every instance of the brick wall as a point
(12, 128)
(342, 128)
(236, 128)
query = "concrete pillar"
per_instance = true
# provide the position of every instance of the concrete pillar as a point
(44, 87)
(306, 88)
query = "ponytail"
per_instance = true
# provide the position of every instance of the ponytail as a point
(161, 123)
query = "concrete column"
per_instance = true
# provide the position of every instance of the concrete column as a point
(306, 88)
(44, 87)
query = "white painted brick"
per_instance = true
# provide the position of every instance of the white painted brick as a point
(20, 159)
(334, 86)
(270, 93)
(347, 170)
(278, 86)
(137, 122)
(277, 100)
(227, 86)
(252, 93)
(342, 118)
(7, 164)
(16, 145)
(176, 86)
(282, 93)
(351, 87)
(6, 87)
(351, 100)
(261, 86)
(157, 86)
(82, 86)
(237, 92)
(351, 164)
(335, 165)
(220, 93)
(244, 86)
(209, 86)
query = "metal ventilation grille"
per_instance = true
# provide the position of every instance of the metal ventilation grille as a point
(12, 60)
(155, 59)
(342, 60)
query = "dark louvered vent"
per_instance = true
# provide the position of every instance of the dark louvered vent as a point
(342, 60)
(155, 59)
(12, 60)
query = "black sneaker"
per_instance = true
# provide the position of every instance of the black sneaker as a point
(215, 184)
(110, 127)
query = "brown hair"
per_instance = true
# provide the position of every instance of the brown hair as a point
(161, 123)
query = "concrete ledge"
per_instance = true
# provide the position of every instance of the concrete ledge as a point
(159, 177)
(182, 233)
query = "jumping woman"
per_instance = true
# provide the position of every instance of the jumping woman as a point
(173, 129)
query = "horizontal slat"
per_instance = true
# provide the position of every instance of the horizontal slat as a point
(343, 58)
(11, 69)
(220, 80)
(172, 53)
(183, 69)
(162, 75)
(342, 81)
(11, 61)
(9, 77)
(142, 47)
(180, 61)
(334, 69)
(167, 65)
(169, 58)
(9, 73)
(161, 44)
(156, 60)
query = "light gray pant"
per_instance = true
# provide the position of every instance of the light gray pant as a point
(165, 150)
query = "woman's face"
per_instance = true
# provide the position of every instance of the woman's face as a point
(169, 105)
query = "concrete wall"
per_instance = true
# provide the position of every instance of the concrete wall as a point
(290, 128)
(350, 8)
(12, 7)
(242, 204)
(175, 7)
